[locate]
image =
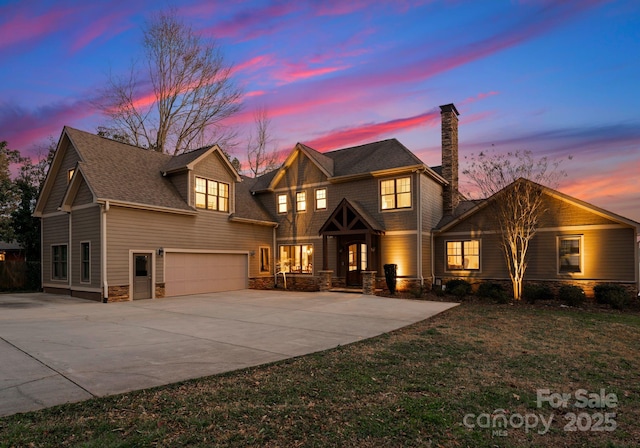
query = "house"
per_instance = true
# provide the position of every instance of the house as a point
(121, 223)
(576, 243)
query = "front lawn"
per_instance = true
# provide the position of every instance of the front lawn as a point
(453, 380)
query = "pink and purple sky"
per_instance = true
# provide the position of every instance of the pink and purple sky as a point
(558, 78)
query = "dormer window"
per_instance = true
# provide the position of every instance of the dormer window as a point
(70, 173)
(212, 195)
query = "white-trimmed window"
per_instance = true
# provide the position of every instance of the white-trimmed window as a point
(265, 259)
(297, 258)
(282, 203)
(395, 193)
(321, 199)
(301, 201)
(463, 255)
(85, 262)
(59, 262)
(570, 254)
(212, 195)
(70, 173)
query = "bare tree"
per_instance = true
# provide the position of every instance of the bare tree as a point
(183, 97)
(514, 185)
(261, 154)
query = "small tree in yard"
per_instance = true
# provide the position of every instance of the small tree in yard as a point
(514, 184)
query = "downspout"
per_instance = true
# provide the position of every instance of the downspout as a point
(275, 272)
(103, 251)
(41, 253)
(419, 230)
(69, 252)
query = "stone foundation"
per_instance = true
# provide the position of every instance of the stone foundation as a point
(261, 283)
(325, 283)
(299, 282)
(118, 293)
(369, 282)
(159, 290)
(402, 284)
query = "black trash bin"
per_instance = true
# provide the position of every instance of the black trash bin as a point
(390, 274)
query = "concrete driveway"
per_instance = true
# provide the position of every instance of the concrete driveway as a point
(57, 349)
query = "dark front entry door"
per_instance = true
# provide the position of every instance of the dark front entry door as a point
(141, 276)
(356, 263)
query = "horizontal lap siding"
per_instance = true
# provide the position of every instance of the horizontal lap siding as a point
(400, 250)
(431, 195)
(55, 231)
(608, 254)
(86, 228)
(84, 195)
(60, 183)
(144, 230)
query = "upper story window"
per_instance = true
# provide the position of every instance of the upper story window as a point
(212, 195)
(463, 255)
(570, 254)
(70, 173)
(321, 199)
(395, 193)
(301, 201)
(282, 203)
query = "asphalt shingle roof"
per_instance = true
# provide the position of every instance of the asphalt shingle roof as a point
(383, 155)
(120, 172)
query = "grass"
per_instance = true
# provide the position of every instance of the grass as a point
(412, 387)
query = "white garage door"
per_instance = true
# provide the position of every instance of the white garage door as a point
(189, 273)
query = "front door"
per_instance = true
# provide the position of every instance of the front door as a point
(356, 263)
(141, 276)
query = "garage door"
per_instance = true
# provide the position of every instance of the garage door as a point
(188, 273)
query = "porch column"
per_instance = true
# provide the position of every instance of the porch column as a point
(325, 249)
(369, 282)
(325, 280)
(369, 253)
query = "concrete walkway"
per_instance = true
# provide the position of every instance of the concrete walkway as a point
(58, 349)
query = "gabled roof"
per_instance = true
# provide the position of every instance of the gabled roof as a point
(350, 218)
(372, 157)
(376, 158)
(121, 173)
(323, 163)
(187, 161)
(467, 209)
(247, 208)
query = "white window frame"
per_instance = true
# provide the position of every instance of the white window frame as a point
(207, 195)
(82, 262)
(301, 204)
(317, 200)
(395, 194)
(559, 240)
(462, 241)
(285, 265)
(261, 257)
(280, 204)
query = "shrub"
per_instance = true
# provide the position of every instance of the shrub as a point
(493, 291)
(458, 288)
(612, 294)
(531, 292)
(573, 295)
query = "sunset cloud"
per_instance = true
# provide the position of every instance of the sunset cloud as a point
(372, 131)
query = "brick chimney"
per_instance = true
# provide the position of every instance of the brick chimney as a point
(450, 197)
